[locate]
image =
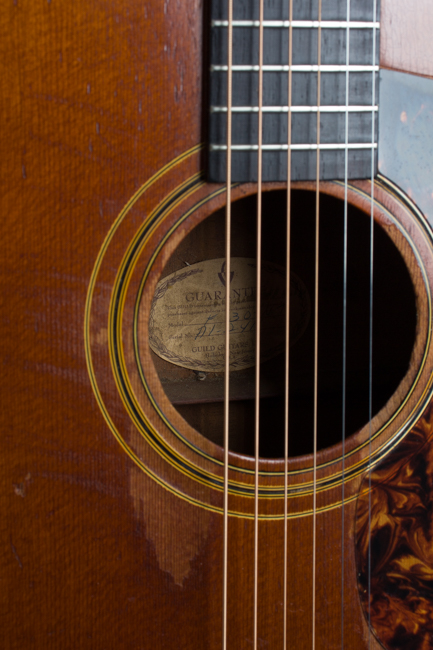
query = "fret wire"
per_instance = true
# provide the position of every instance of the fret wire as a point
(293, 147)
(301, 24)
(297, 68)
(297, 109)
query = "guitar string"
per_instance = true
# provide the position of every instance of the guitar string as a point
(316, 322)
(287, 356)
(228, 253)
(258, 323)
(227, 314)
(370, 352)
(344, 342)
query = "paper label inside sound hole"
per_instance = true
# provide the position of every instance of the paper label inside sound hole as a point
(187, 317)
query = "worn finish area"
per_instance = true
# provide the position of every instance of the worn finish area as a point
(111, 500)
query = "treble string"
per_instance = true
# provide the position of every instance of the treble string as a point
(227, 313)
(286, 406)
(370, 353)
(316, 323)
(258, 309)
(344, 342)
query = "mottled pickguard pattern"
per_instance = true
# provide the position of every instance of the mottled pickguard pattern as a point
(397, 519)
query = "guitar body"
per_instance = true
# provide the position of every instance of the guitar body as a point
(112, 503)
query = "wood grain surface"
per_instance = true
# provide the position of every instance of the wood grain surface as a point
(105, 542)
(82, 89)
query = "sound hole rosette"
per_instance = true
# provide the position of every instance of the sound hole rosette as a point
(157, 437)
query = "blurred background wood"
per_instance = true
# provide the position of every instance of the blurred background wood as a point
(405, 36)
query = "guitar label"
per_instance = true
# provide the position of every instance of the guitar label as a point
(187, 318)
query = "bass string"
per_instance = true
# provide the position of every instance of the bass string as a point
(370, 353)
(344, 334)
(227, 314)
(316, 323)
(258, 322)
(287, 336)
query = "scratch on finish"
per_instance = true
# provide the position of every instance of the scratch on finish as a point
(17, 557)
(20, 489)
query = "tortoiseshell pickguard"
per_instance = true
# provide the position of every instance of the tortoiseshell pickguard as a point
(395, 521)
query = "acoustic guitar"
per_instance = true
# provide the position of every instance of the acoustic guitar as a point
(216, 327)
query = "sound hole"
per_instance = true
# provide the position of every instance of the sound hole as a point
(198, 396)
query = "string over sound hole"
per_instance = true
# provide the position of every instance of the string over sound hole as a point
(198, 395)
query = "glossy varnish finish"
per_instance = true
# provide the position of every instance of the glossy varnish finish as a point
(97, 97)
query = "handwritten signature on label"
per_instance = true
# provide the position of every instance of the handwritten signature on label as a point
(187, 318)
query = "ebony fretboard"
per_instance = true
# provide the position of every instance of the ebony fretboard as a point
(362, 101)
